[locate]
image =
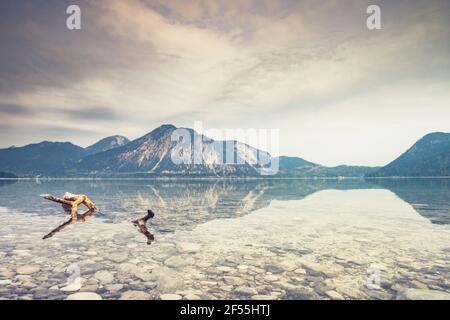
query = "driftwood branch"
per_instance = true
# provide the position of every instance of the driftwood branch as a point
(70, 205)
(81, 218)
(141, 224)
(75, 218)
(56, 199)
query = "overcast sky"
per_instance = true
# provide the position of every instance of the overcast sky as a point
(338, 92)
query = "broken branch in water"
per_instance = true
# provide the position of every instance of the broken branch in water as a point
(70, 204)
(81, 218)
(141, 224)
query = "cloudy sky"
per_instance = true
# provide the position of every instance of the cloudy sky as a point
(338, 92)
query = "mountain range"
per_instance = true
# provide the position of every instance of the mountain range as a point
(151, 156)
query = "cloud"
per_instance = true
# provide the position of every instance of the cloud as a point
(12, 109)
(297, 65)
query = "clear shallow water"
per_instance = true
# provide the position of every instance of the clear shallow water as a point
(276, 239)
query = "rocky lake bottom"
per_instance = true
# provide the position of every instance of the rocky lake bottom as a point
(332, 244)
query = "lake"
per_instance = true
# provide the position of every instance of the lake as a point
(229, 239)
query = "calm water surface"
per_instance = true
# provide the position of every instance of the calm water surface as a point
(275, 239)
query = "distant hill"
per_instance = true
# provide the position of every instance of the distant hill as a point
(340, 171)
(45, 158)
(289, 166)
(298, 167)
(7, 175)
(106, 144)
(428, 157)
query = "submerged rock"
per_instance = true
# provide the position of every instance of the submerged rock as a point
(118, 257)
(177, 262)
(236, 281)
(300, 271)
(334, 295)
(89, 288)
(7, 273)
(45, 294)
(316, 268)
(167, 280)
(263, 297)
(170, 296)
(287, 265)
(422, 294)
(128, 268)
(246, 291)
(300, 294)
(273, 269)
(271, 278)
(84, 296)
(224, 269)
(189, 247)
(28, 269)
(29, 285)
(114, 287)
(104, 277)
(191, 296)
(418, 285)
(71, 287)
(135, 295)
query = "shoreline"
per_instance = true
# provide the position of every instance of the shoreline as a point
(221, 178)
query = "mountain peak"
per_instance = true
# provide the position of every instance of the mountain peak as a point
(107, 144)
(165, 127)
(159, 132)
(435, 136)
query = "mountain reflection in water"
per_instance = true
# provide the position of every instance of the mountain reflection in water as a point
(186, 203)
